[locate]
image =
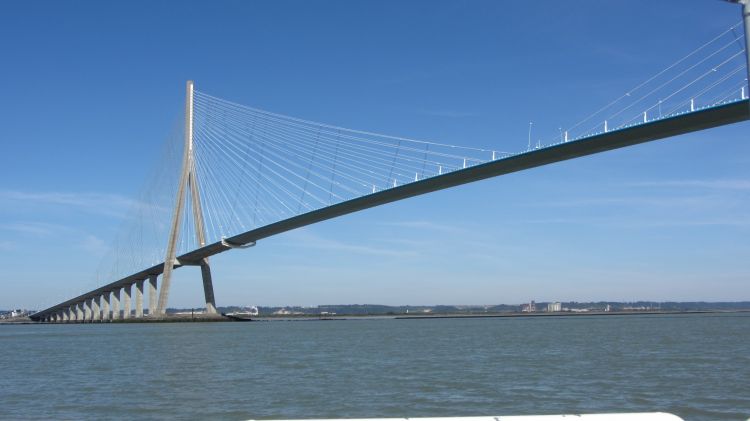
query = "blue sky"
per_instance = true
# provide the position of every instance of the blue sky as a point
(92, 89)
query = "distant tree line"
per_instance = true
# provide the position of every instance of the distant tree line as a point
(379, 309)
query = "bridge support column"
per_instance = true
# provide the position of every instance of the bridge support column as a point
(126, 301)
(96, 315)
(139, 299)
(152, 310)
(79, 313)
(87, 313)
(105, 306)
(71, 314)
(116, 304)
(208, 287)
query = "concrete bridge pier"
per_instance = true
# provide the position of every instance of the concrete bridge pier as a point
(87, 310)
(152, 310)
(96, 315)
(79, 313)
(126, 301)
(208, 287)
(71, 314)
(139, 298)
(105, 306)
(116, 304)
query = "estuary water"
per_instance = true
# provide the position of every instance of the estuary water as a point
(696, 366)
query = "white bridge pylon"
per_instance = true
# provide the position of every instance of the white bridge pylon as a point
(188, 185)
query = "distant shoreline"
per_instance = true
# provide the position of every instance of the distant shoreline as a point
(569, 314)
(480, 316)
(203, 318)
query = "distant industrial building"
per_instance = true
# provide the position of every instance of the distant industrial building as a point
(528, 308)
(553, 307)
(14, 313)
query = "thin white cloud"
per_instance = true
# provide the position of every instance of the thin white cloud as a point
(741, 222)
(304, 238)
(39, 229)
(618, 221)
(715, 184)
(335, 245)
(427, 225)
(693, 202)
(94, 245)
(404, 242)
(107, 204)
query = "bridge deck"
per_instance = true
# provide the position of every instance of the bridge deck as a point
(659, 129)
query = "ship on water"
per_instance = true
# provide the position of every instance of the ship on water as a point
(244, 314)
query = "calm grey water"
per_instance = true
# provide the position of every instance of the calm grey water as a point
(696, 366)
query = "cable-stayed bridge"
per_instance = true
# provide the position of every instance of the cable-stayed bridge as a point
(234, 175)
